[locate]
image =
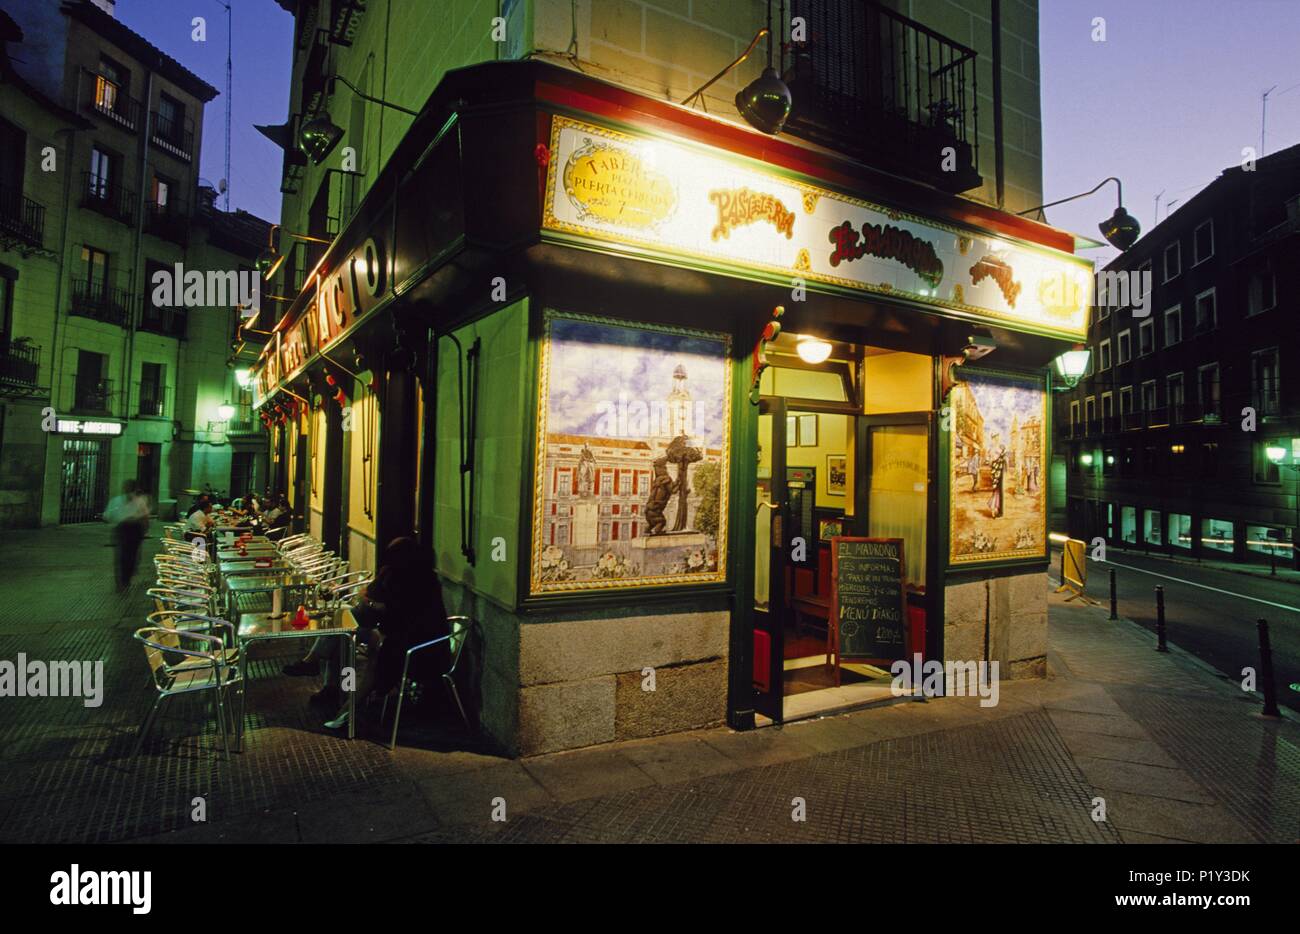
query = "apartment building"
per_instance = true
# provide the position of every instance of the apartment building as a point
(1184, 438)
(102, 135)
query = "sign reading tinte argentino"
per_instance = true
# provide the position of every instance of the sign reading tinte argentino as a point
(686, 200)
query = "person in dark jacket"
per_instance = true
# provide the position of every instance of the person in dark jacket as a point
(402, 607)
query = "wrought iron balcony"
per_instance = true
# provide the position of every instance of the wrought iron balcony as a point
(21, 219)
(152, 399)
(172, 135)
(171, 221)
(887, 90)
(110, 101)
(98, 300)
(167, 321)
(109, 199)
(20, 364)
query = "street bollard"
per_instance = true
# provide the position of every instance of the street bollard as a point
(1114, 601)
(1160, 619)
(1266, 671)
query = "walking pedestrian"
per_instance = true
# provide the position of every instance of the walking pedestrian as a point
(129, 514)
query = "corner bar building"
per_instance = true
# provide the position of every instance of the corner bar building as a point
(549, 340)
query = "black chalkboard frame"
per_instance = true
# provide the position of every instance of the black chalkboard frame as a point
(835, 603)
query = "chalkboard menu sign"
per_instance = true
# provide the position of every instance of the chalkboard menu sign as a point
(868, 601)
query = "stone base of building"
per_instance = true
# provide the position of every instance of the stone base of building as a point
(1003, 619)
(543, 686)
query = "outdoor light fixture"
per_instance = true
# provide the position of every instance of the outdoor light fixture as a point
(225, 412)
(319, 135)
(765, 102)
(1086, 460)
(270, 260)
(243, 377)
(1121, 229)
(1071, 365)
(1276, 453)
(813, 349)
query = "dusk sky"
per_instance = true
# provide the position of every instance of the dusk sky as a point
(1166, 102)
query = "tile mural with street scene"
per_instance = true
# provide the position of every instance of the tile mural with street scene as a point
(632, 456)
(998, 477)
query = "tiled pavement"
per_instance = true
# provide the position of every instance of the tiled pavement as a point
(1174, 751)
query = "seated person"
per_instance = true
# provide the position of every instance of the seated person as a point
(401, 607)
(200, 520)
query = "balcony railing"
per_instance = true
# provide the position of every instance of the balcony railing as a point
(107, 99)
(20, 364)
(243, 422)
(173, 135)
(98, 300)
(167, 321)
(887, 89)
(171, 221)
(92, 395)
(108, 198)
(20, 217)
(152, 399)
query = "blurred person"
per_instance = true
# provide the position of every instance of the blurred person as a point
(129, 513)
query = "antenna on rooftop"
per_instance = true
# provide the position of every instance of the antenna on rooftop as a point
(225, 186)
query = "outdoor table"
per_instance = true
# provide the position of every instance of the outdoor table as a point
(267, 581)
(254, 552)
(261, 627)
(240, 567)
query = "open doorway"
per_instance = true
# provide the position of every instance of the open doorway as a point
(844, 450)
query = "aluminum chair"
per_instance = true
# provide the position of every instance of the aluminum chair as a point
(210, 673)
(460, 628)
(186, 621)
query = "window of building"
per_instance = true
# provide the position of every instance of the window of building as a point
(1107, 405)
(1149, 402)
(1127, 462)
(1177, 459)
(151, 393)
(1262, 293)
(1090, 410)
(1144, 279)
(113, 87)
(1108, 462)
(1274, 543)
(1146, 337)
(162, 189)
(1203, 242)
(1173, 325)
(1207, 390)
(1126, 401)
(1217, 534)
(101, 173)
(171, 118)
(1128, 524)
(94, 268)
(1207, 315)
(1174, 396)
(1173, 260)
(1265, 470)
(1154, 460)
(13, 159)
(1151, 530)
(1074, 417)
(1180, 530)
(1103, 352)
(1266, 383)
(1125, 348)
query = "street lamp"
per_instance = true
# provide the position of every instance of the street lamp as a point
(319, 135)
(270, 260)
(243, 376)
(1121, 229)
(1277, 456)
(225, 412)
(1086, 460)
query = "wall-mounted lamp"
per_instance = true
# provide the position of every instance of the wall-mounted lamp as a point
(243, 376)
(1071, 365)
(319, 135)
(1121, 229)
(225, 412)
(1085, 460)
(268, 262)
(766, 101)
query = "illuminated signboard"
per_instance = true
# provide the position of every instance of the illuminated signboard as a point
(685, 200)
(75, 426)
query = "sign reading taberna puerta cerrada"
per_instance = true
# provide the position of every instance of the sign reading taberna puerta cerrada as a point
(685, 200)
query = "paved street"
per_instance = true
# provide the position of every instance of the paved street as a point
(1176, 752)
(1210, 610)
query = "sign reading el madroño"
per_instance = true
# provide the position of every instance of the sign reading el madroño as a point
(686, 200)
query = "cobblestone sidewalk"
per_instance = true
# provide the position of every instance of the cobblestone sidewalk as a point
(1175, 751)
